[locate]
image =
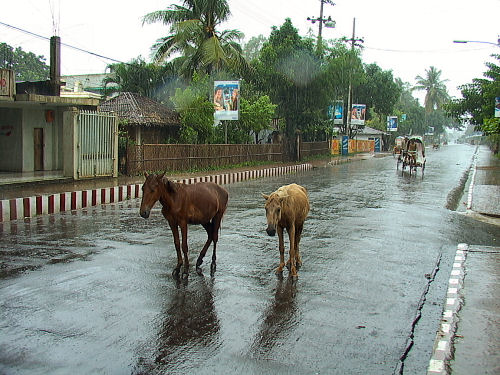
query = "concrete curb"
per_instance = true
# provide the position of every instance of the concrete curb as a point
(28, 207)
(443, 344)
(471, 186)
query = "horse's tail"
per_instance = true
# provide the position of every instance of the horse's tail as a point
(223, 213)
(223, 198)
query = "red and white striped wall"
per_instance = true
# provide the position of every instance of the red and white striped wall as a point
(20, 208)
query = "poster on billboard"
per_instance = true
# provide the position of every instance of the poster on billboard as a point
(497, 106)
(392, 123)
(338, 112)
(226, 100)
(358, 114)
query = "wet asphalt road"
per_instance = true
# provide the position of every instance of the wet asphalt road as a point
(91, 292)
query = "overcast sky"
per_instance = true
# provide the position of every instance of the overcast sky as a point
(404, 36)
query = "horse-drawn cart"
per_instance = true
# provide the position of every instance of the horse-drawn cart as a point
(398, 146)
(412, 154)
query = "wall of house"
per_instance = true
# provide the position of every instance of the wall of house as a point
(379, 142)
(11, 140)
(36, 118)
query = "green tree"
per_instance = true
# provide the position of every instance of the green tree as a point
(251, 49)
(379, 91)
(26, 65)
(291, 74)
(256, 116)
(194, 35)
(344, 66)
(197, 115)
(415, 114)
(436, 93)
(149, 80)
(478, 103)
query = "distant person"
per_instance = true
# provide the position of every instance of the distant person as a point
(234, 100)
(354, 114)
(218, 99)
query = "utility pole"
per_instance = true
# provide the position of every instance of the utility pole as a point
(354, 42)
(55, 65)
(327, 21)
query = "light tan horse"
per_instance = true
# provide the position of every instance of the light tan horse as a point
(287, 208)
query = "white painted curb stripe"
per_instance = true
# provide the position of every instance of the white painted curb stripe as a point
(471, 186)
(443, 343)
(20, 208)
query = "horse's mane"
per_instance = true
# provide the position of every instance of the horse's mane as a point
(170, 186)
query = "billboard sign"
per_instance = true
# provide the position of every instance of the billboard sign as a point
(358, 114)
(338, 112)
(226, 100)
(392, 123)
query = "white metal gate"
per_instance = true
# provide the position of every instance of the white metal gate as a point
(97, 144)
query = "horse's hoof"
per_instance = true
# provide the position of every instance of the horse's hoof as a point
(199, 271)
(175, 272)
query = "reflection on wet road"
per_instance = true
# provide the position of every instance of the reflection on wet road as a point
(93, 290)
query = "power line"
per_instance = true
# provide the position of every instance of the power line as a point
(424, 51)
(63, 44)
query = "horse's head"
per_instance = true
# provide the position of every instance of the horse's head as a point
(151, 191)
(273, 212)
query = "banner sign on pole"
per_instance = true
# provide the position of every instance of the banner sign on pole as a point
(226, 100)
(392, 123)
(497, 106)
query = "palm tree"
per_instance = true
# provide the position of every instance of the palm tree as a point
(436, 94)
(139, 77)
(194, 36)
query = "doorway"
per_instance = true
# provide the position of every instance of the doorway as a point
(38, 148)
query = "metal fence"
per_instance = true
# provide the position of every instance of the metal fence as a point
(97, 144)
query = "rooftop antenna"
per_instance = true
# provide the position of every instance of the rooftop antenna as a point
(55, 22)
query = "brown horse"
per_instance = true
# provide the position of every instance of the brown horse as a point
(201, 203)
(287, 208)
